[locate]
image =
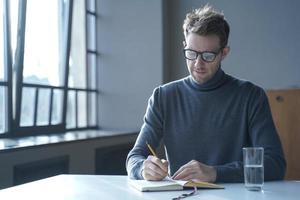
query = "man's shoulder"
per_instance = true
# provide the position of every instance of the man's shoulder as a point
(244, 84)
(174, 85)
(169, 88)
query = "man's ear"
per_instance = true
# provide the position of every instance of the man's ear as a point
(225, 52)
(184, 43)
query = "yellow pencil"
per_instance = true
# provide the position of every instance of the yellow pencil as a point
(151, 150)
(154, 154)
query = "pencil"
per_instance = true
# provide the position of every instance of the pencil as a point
(151, 150)
(154, 154)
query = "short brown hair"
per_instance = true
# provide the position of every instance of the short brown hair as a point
(207, 21)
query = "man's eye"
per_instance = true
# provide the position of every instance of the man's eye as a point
(209, 56)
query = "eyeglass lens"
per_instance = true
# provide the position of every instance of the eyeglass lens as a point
(206, 56)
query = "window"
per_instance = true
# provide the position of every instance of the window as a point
(43, 72)
(91, 61)
(5, 66)
(2, 82)
(82, 93)
(54, 67)
(2, 46)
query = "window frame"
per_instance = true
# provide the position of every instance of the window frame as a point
(14, 129)
(7, 69)
(88, 90)
(93, 52)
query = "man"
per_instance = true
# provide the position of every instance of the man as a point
(205, 119)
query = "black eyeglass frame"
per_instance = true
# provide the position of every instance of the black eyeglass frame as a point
(201, 54)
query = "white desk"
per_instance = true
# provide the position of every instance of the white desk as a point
(93, 187)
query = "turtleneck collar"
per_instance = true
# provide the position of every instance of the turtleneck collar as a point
(216, 81)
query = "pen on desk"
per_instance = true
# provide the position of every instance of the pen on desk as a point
(151, 150)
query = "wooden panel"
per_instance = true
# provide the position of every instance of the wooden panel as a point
(285, 107)
(112, 160)
(40, 169)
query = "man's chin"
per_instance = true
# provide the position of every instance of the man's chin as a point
(200, 79)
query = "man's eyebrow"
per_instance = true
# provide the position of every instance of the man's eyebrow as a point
(216, 50)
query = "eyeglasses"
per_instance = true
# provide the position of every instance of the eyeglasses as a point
(207, 56)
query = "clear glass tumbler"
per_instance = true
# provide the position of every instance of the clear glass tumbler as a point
(253, 168)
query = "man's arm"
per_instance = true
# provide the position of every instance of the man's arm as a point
(262, 133)
(151, 132)
(230, 172)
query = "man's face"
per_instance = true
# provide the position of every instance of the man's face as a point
(201, 70)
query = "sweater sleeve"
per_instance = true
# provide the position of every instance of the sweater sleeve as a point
(262, 133)
(151, 132)
(230, 172)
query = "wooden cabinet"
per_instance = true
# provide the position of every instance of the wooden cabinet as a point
(40, 169)
(112, 160)
(285, 107)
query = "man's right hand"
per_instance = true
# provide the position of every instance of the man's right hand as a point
(154, 169)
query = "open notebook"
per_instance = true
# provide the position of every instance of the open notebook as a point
(169, 184)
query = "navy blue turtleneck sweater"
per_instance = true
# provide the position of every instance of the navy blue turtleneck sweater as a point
(210, 123)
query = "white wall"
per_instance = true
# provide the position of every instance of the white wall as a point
(264, 40)
(130, 62)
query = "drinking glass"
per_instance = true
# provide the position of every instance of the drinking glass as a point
(253, 168)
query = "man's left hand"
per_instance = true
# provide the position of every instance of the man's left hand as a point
(196, 171)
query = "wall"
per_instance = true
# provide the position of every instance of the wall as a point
(130, 62)
(264, 40)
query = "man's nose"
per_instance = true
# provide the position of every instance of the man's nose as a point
(199, 61)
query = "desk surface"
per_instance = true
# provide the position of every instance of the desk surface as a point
(92, 187)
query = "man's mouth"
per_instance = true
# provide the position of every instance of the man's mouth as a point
(200, 71)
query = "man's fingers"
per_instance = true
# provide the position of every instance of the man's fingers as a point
(180, 170)
(186, 170)
(154, 168)
(195, 170)
(187, 177)
(152, 175)
(184, 173)
(159, 163)
(165, 163)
